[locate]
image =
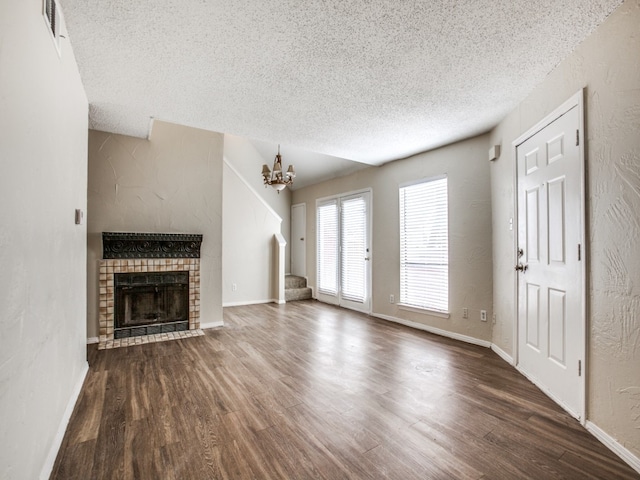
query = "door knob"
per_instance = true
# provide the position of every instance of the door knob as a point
(521, 268)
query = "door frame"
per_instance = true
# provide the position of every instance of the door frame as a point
(304, 238)
(575, 101)
(369, 273)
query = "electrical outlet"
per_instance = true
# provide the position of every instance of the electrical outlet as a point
(234, 287)
(465, 313)
(483, 315)
(392, 299)
(493, 318)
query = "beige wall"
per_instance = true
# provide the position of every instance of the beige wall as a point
(467, 168)
(608, 64)
(171, 183)
(247, 239)
(43, 179)
(247, 162)
(252, 215)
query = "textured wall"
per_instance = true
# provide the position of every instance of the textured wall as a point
(608, 64)
(43, 179)
(470, 282)
(171, 183)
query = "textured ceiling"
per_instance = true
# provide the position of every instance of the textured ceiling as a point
(364, 80)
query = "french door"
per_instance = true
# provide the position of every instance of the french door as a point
(343, 251)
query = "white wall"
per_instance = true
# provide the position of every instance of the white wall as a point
(43, 179)
(467, 168)
(171, 183)
(249, 226)
(608, 64)
(247, 162)
(252, 215)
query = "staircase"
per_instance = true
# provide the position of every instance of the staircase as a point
(295, 288)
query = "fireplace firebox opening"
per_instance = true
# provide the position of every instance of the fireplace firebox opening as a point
(150, 303)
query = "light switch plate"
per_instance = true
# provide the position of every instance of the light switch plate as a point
(79, 216)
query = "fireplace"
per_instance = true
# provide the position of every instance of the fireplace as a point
(150, 303)
(149, 288)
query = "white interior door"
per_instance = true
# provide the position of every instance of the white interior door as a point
(298, 243)
(343, 248)
(551, 322)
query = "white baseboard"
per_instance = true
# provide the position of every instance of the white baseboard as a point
(47, 468)
(204, 326)
(248, 302)
(437, 331)
(92, 340)
(502, 354)
(614, 445)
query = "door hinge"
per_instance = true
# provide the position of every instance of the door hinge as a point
(577, 137)
(579, 368)
(579, 252)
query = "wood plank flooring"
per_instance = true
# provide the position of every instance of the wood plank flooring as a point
(310, 391)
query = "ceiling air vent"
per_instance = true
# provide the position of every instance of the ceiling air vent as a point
(52, 17)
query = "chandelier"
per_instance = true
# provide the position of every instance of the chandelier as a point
(276, 178)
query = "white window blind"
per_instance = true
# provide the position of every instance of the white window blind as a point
(327, 242)
(424, 245)
(354, 244)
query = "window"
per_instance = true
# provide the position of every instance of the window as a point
(353, 241)
(328, 247)
(424, 245)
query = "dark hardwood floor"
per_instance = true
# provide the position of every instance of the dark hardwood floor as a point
(306, 390)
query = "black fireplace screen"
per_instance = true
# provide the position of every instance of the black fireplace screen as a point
(148, 303)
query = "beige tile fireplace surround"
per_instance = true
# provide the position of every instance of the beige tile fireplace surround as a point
(108, 269)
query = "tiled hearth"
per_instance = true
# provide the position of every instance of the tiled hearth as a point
(108, 268)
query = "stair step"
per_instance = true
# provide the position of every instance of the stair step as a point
(293, 281)
(292, 294)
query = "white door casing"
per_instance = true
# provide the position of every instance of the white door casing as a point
(551, 323)
(298, 242)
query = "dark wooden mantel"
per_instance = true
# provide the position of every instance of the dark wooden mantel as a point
(150, 245)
